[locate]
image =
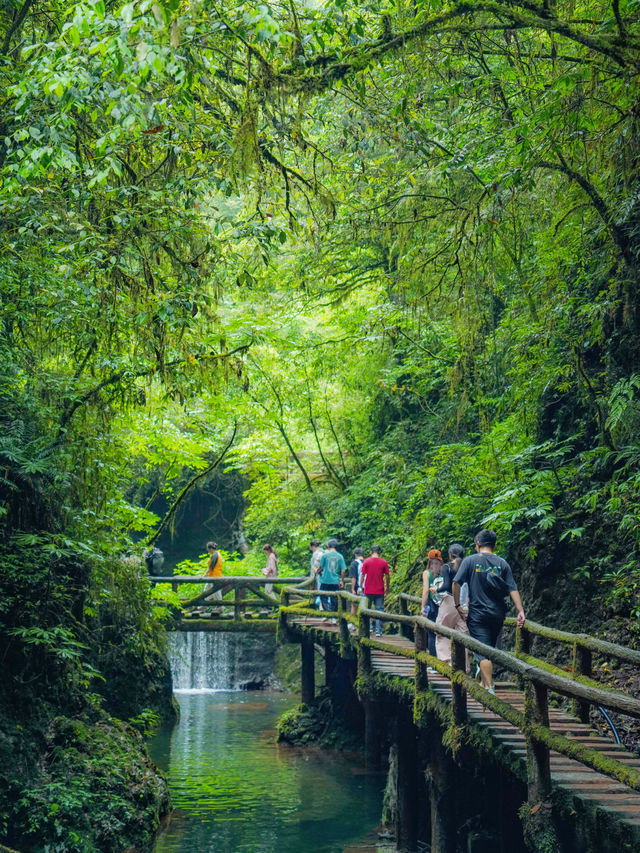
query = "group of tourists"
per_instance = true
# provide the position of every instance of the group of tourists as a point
(369, 577)
(468, 594)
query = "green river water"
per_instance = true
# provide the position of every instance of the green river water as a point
(235, 790)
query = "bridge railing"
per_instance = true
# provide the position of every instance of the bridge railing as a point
(536, 680)
(239, 585)
(582, 648)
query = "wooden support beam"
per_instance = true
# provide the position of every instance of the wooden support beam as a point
(364, 652)
(582, 665)
(406, 812)
(238, 606)
(536, 712)
(308, 675)
(442, 798)
(330, 663)
(345, 644)
(283, 629)
(458, 691)
(422, 677)
(405, 629)
(372, 732)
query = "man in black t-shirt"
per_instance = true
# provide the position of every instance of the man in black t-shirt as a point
(490, 580)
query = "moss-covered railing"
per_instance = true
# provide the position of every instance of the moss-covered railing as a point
(242, 588)
(536, 679)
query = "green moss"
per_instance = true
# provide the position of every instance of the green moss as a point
(317, 724)
(538, 828)
(96, 789)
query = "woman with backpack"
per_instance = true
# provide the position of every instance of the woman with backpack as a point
(448, 615)
(431, 581)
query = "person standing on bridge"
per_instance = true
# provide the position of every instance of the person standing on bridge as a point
(271, 569)
(316, 556)
(490, 580)
(329, 572)
(214, 570)
(448, 615)
(375, 572)
(431, 583)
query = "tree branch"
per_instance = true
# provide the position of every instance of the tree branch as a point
(185, 491)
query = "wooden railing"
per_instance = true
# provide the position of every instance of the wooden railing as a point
(536, 678)
(241, 586)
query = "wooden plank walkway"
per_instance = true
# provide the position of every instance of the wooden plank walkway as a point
(588, 788)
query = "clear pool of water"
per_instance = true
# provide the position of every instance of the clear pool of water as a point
(235, 790)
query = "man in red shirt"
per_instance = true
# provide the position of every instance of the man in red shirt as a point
(375, 572)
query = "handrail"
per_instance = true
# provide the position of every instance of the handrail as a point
(558, 683)
(235, 580)
(534, 722)
(612, 650)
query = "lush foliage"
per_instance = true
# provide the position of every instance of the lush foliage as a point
(380, 259)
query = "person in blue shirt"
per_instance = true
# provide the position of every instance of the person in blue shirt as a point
(329, 572)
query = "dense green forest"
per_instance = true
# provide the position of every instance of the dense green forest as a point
(380, 260)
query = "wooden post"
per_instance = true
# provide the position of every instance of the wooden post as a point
(405, 630)
(582, 665)
(536, 710)
(343, 626)
(444, 804)
(308, 674)
(330, 663)
(282, 625)
(407, 788)
(458, 691)
(364, 652)
(524, 641)
(372, 732)
(238, 606)
(422, 677)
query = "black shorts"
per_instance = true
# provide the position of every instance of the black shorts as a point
(486, 631)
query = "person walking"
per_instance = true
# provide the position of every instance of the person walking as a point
(271, 569)
(355, 577)
(329, 573)
(490, 580)
(375, 572)
(448, 615)
(316, 556)
(214, 570)
(431, 582)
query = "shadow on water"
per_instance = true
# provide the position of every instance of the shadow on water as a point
(235, 790)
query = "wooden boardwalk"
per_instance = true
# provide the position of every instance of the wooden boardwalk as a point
(588, 789)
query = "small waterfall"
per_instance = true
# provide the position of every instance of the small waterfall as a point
(219, 660)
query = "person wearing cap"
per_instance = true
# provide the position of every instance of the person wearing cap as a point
(490, 581)
(375, 572)
(431, 581)
(329, 572)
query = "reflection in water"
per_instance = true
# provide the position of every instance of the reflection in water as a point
(236, 791)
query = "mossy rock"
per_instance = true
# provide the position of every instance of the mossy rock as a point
(97, 789)
(317, 724)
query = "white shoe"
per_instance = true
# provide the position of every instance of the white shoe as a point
(432, 671)
(492, 690)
